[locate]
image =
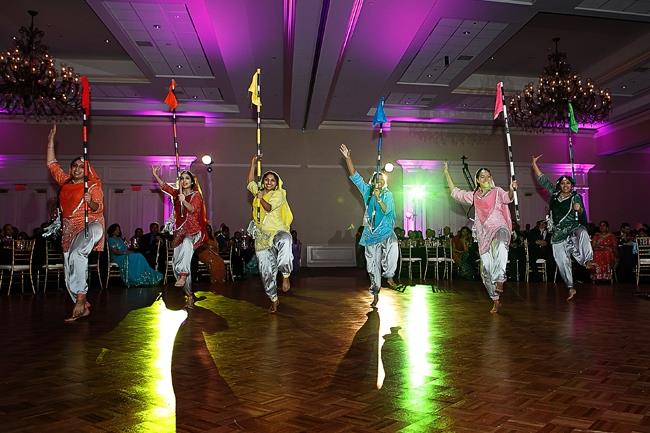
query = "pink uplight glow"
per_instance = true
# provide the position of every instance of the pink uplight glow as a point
(352, 23)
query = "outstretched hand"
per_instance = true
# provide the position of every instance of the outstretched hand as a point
(535, 158)
(255, 159)
(50, 136)
(446, 167)
(155, 169)
(345, 151)
(513, 185)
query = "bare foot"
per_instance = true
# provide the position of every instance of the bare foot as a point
(274, 306)
(499, 287)
(375, 299)
(81, 309)
(495, 307)
(181, 281)
(286, 284)
(572, 293)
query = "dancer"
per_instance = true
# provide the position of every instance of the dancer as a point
(272, 237)
(74, 242)
(492, 227)
(190, 226)
(567, 217)
(378, 237)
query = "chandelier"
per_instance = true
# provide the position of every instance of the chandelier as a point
(30, 84)
(547, 105)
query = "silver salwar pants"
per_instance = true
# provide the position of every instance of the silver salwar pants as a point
(494, 262)
(577, 245)
(382, 256)
(279, 257)
(75, 260)
(182, 260)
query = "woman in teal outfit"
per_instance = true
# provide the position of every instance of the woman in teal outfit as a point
(139, 271)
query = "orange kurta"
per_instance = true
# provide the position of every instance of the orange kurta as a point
(72, 204)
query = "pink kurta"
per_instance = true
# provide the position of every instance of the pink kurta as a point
(491, 211)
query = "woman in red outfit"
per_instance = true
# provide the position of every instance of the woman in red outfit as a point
(76, 243)
(605, 246)
(190, 226)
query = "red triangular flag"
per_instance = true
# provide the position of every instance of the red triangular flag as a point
(498, 104)
(171, 97)
(85, 94)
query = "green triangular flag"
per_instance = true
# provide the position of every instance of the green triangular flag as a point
(573, 125)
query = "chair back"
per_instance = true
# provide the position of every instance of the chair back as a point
(643, 243)
(434, 249)
(405, 249)
(23, 251)
(53, 254)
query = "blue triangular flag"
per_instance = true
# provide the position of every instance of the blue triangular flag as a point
(380, 116)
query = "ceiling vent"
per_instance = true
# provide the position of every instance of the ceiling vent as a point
(465, 58)
(144, 44)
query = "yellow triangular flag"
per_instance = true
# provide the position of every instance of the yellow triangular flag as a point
(253, 89)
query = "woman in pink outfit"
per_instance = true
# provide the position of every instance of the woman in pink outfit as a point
(492, 227)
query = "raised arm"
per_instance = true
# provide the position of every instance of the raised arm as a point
(536, 169)
(51, 157)
(348, 159)
(161, 183)
(155, 170)
(450, 182)
(541, 178)
(251, 171)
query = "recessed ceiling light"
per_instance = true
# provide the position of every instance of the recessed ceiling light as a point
(156, 26)
(623, 86)
(429, 75)
(466, 32)
(179, 66)
(107, 41)
(491, 57)
(195, 97)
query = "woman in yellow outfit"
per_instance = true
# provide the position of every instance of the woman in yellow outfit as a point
(272, 232)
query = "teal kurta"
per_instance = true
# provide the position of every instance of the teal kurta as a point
(139, 271)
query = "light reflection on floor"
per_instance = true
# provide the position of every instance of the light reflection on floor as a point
(165, 326)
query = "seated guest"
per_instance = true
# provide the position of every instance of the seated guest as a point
(461, 244)
(517, 253)
(642, 231)
(539, 247)
(134, 269)
(136, 240)
(7, 235)
(223, 238)
(626, 234)
(605, 246)
(149, 247)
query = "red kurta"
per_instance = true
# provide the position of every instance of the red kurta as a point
(71, 200)
(188, 223)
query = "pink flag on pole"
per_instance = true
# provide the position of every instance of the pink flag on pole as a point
(498, 104)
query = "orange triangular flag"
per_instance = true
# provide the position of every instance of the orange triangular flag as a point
(171, 96)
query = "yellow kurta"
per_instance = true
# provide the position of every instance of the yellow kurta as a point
(278, 219)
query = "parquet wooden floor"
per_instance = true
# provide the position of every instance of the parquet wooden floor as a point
(427, 360)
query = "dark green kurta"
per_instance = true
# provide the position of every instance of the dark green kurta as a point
(564, 219)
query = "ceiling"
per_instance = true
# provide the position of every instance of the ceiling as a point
(331, 60)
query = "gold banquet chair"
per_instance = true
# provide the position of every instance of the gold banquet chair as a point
(22, 252)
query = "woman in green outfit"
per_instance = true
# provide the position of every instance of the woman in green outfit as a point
(567, 223)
